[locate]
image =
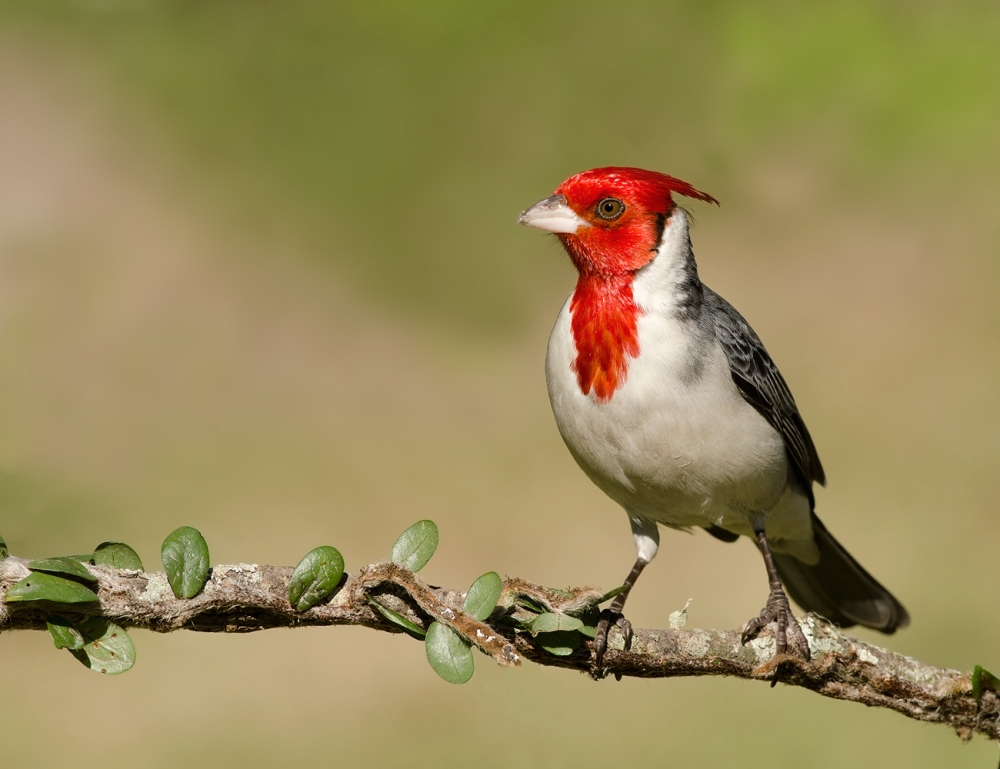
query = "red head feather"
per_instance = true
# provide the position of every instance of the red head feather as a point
(607, 253)
(627, 242)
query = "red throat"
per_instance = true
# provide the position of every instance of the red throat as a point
(605, 329)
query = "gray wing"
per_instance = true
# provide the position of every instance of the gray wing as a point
(762, 385)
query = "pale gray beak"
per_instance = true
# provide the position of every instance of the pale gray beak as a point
(552, 215)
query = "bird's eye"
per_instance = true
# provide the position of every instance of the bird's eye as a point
(610, 209)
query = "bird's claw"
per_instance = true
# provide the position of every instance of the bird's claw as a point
(789, 637)
(608, 618)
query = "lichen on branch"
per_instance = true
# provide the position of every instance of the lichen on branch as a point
(244, 598)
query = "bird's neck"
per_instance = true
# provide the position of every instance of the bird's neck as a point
(606, 307)
(669, 284)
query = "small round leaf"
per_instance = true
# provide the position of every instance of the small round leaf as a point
(562, 643)
(483, 596)
(416, 545)
(65, 566)
(983, 679)
(117, 555)
(185, 559)
(449, 654)
(551, 622)
(316, 576)
(531, 604)
(107, 647)
(64, 635)
(39, 586)
(589, 630)
(410, 627)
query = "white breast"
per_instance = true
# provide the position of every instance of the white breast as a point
(676, 443)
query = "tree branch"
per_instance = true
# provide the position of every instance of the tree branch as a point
(244, 598)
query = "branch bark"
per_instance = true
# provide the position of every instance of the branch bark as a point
(245, 598)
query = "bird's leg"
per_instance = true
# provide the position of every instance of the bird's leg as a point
(647, 541)
(613, 614)
(777, 609)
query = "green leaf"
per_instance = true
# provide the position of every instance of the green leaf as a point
(410, 627)
(4, 552)
(316, 576)
(609, 595)
(64, 635)
(40, 586)
(552, 622)
(185, 558)
(531, 604)
(483, 596)
(117, 555)
(518, 621)
(449, 654)
(65, 565)
(107, 647)
(588, 630)
(561, 643)
(416, 545)
(983, 679)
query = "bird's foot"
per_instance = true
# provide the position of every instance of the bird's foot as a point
(609, 618)
(789, 638)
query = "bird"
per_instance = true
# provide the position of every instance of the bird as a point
(669, 402)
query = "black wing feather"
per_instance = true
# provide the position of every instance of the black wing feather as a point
(762, 385)
(836, 585)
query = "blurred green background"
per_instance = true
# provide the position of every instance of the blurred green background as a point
(259, 274)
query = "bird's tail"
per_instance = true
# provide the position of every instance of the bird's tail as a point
(839, 588)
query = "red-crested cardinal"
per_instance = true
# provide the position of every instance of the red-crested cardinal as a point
(669, 402)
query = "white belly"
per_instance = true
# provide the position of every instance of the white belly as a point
(674, 445)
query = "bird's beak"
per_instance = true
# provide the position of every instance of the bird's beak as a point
(552, 215)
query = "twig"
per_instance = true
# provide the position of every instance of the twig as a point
(244, 598)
